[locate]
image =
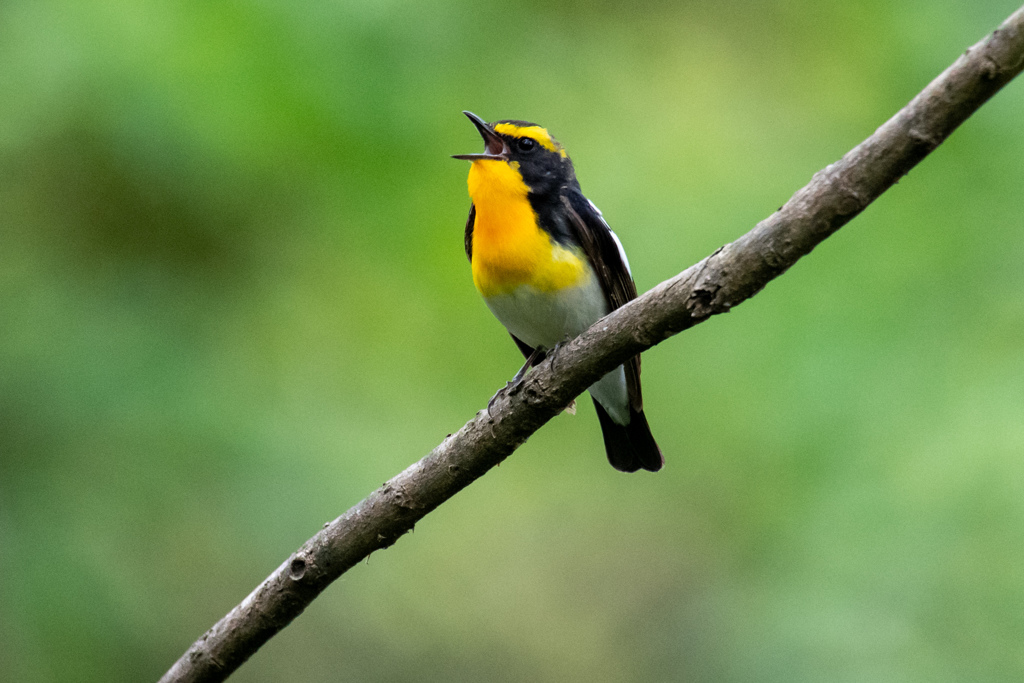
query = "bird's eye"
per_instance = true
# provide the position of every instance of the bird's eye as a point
(526, 144)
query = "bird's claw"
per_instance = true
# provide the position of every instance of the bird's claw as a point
(490, 404)
(553, 353)
(499, 392)
(511, 388)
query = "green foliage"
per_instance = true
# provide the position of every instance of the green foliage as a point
(233, 301)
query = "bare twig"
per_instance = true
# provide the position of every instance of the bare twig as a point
(724, 279)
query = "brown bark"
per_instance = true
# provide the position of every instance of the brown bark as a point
(724, 279)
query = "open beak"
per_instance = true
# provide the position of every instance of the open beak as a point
(497, 149)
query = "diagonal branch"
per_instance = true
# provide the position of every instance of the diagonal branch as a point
(724, 279)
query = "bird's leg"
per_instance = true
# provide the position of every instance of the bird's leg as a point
(534, 359)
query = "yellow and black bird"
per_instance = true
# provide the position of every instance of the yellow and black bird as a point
(548, 267)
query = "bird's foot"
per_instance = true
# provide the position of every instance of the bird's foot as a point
(554, 351)
(490, 404)
(511, 388)
(513, 385)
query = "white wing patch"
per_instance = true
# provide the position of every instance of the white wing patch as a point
(618, 242)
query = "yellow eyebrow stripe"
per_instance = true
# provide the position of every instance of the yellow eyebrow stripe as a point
(539, 134)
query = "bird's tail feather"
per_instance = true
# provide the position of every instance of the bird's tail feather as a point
(630, 447)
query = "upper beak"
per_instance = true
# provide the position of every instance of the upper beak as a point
(496, 146)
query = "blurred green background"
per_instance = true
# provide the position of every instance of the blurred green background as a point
(234, 300)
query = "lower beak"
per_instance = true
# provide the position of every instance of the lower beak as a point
(496, 149)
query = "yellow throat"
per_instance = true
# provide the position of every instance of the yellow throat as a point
(509, 248)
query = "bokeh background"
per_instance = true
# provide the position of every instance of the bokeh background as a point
(234, 300)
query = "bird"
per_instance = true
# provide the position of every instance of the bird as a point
(548, 267)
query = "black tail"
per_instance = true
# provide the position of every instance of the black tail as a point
(630, 447)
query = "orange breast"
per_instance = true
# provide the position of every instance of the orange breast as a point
(509, 248)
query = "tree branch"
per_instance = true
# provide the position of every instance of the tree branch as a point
(724, 279)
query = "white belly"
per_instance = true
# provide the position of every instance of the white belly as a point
(543, 319)
(546, 318)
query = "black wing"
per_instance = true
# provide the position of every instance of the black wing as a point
(469, 232)
(602, 250)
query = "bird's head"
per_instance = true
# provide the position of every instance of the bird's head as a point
(528, 149)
